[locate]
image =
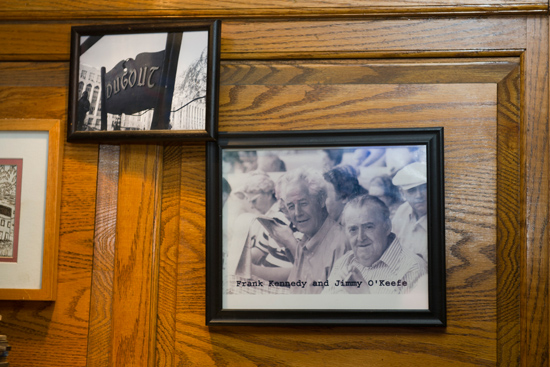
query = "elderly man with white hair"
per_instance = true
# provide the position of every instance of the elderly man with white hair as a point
(303, 193)
(410, 222)
(377, 264)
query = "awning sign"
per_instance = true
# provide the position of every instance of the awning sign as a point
(133, 85)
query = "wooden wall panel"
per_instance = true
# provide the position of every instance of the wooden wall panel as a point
(470, 150)
(54, 333)
(101, 304)
(136, 257)
(162, 252)
(192, 337)
(534, 186)
(508, 220)
(309, 107)
(47, 9)
(330, 38)
(168, 261)
(316, 39)
(384, 71)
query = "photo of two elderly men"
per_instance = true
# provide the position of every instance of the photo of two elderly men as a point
(325, 222)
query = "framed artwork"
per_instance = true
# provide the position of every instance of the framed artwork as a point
(30, 190)
(146, 82)
(326, 227)
(11, 172)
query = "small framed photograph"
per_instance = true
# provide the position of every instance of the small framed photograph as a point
(11, 172)
(145, 82)
(326, 227)
(30, 191)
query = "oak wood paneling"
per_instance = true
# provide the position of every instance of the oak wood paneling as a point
(191, 338)
(136, 259)
(534, 189)
(389, 71)
(468, 113)
(51, 9)
(160, 203)
(344, 106)
(29, 74)
(101, 298)
(169, 244)
(508, 217)
(308, 39)
(54, 333)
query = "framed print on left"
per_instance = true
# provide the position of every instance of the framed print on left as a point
(144, 82)
(326, 227)
(11, 172)
(30, 191)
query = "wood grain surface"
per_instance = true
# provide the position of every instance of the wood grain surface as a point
(48, 9)
(467, 111)
(485, 79)
(168, 270)
(508, 220)
(307, 38)
(135, 280)
(54, 333)
(101, 298)
(361, 38)
(384, 71)
(534, 188)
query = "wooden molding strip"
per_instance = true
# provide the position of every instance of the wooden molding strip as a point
(534, 189)
(283, 12)
(101, 302)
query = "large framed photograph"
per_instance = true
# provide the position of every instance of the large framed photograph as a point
(30, 191)
(145, 82)
(326, 227)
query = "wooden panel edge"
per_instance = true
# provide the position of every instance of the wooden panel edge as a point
(281, 13)
(100, 318)
(136, 236)
(168, 257)
(384, 71)
(508, 221)
(534, 189)
(155, 258)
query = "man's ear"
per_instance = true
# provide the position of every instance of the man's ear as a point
(322, 197)
(388, 226)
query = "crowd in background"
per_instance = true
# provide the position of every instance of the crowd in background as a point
(325, 220)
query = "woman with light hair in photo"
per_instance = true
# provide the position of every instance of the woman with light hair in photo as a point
(268, 259)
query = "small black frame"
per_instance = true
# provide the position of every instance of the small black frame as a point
(146, 82)
(225, 308)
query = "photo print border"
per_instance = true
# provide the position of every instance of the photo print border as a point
(147, 98)
(223, 307)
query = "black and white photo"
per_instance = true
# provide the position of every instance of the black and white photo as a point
(144, 82)
(349, 224)
(10, 205)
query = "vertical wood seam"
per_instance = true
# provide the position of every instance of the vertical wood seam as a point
(154, 292)
(534, 188)
(99, 330)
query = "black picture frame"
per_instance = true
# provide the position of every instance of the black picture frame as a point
(145, 82)
(273, 309)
